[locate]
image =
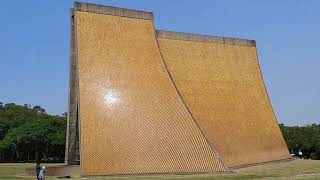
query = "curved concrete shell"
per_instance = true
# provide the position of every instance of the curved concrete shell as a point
(132, 119)
(155, 102)
(221, 84)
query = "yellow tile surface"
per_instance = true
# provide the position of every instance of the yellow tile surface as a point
(132, 120)
(223, 88)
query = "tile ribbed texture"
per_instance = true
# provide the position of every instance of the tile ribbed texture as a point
(132, 120)
(222, 86)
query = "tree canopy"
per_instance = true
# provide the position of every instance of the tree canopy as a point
(29, 134)
(305, 138)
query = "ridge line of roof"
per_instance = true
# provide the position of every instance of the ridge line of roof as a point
(110, 10)
(204, 38)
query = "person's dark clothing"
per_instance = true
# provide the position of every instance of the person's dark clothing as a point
(38, 168)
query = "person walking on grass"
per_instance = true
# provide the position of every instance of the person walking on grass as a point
(41, 173)
(38, 168)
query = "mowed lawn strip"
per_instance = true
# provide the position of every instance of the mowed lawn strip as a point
(298, 169)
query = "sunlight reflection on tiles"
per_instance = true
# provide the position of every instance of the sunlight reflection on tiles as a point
(112, 98)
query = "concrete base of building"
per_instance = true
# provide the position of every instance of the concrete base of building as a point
(261, 163)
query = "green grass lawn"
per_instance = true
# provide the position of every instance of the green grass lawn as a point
(298, 169)
(16, 170)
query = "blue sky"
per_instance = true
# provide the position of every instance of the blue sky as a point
(34, 47)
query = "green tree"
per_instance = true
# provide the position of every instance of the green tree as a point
(305, 139)
(29, 134)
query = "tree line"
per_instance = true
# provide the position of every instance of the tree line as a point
(305, 139)
(29, 134)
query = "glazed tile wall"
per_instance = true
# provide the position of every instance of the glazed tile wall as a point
(223, 88)
(132, 120)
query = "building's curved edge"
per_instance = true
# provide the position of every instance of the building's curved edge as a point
(185, 105)
(261, 163)
(115, 11)
(204, 38)
(270, 104)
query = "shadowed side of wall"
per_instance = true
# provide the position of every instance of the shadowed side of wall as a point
(72, 156)
(220, 82)
(132, 120)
